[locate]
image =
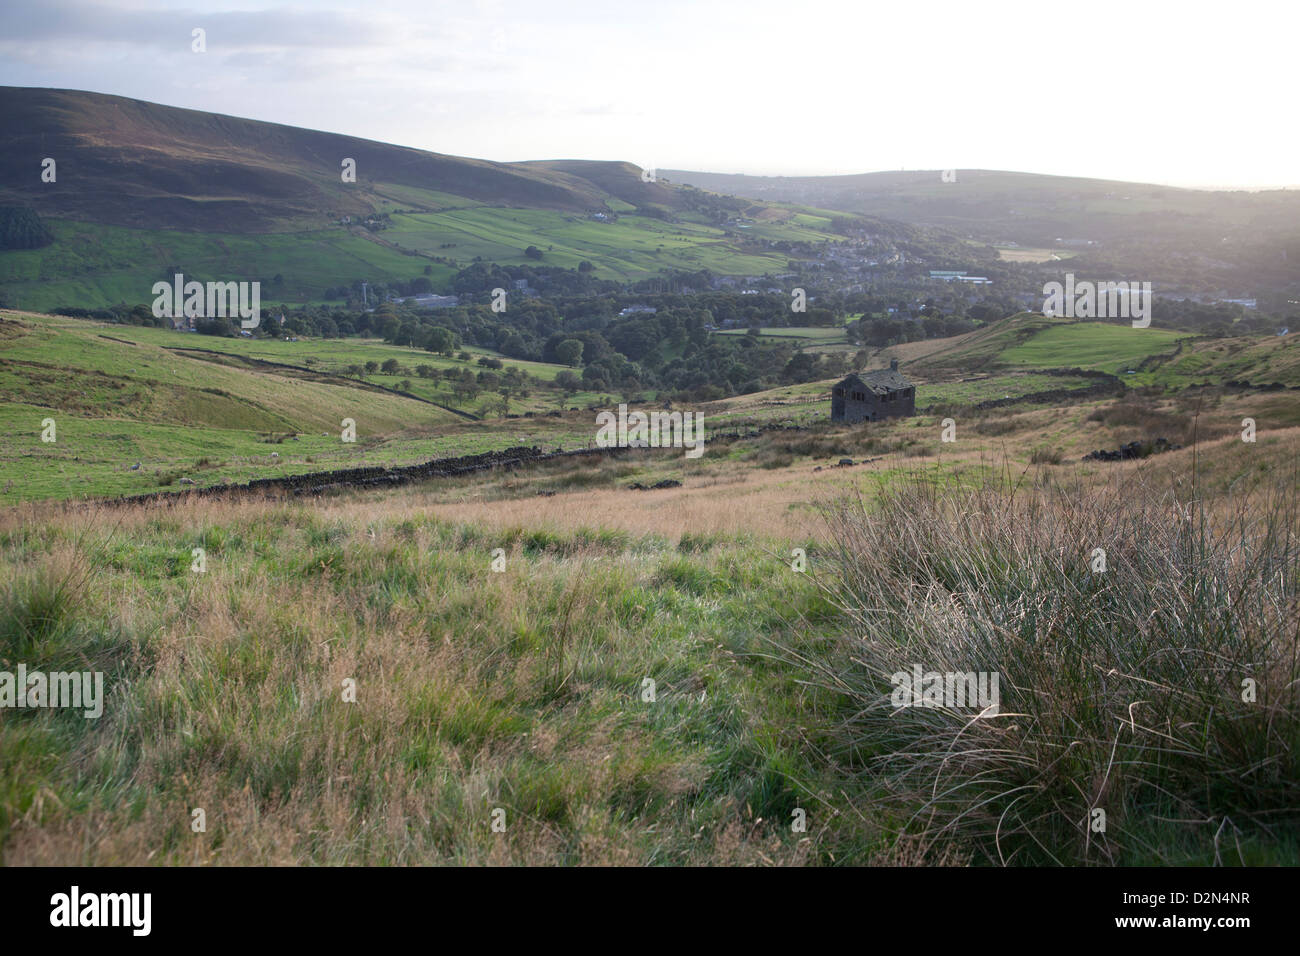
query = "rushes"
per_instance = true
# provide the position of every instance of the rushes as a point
(1122, 689)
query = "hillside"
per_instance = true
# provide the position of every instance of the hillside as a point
(1031, 208)
(142, 191)
(1187, 242)
(212, 410)
(130, 163)
(521, 688)
(647, 680)
(1030, 340)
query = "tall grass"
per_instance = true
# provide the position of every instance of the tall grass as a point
(476, 689)
(1123, 690)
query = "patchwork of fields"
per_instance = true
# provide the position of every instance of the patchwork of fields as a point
(188, 408)
(93, 265)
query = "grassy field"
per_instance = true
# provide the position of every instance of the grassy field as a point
(1093, 345)
(633, 247)
(1029, 340)
(122, 396)
(93, 265)
(804, 336)
(611, 675)
(647, 680)
(1029, 254)
(1260, 360)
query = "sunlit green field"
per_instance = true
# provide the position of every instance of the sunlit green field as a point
(1110, 348)
(804, 334)
(92, 265)
(632, 247)
(122, 395)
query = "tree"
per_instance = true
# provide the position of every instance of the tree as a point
(372, 367)
(532, 252)
(585, 266)
(567, 382)
(465, 390)
(390, 366)
(218, 326)
(513, 344)
(569, 352)
(802, 367)
(439, 339)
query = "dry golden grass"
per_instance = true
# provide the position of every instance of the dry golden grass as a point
(477, 689)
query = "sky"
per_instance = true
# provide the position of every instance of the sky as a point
(1186, 93)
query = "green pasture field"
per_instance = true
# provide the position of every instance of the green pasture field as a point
(95, 265)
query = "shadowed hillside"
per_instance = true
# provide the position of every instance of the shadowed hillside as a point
(132, 163)
(142, 191)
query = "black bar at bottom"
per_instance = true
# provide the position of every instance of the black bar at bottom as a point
(301, 906)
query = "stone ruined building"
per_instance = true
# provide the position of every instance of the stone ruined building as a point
(872, 396)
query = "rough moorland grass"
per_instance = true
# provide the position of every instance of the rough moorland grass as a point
(1163, 691)
(521, 689)
(524, 689)
(48, 623)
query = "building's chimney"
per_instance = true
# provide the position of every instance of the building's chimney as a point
(893, 365)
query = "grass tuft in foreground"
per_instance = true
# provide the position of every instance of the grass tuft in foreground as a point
(1163, 691)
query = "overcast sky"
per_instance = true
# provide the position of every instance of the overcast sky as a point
(1186, 92)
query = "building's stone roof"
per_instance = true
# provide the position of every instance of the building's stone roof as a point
(879, 380)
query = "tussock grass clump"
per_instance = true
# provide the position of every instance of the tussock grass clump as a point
(46, 620)
(694, 542)
(997, 426)
(1124, 690)
(1144, 417)
(48, 623)
(780, 449)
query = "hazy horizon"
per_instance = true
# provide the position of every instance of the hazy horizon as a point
(724, 87)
